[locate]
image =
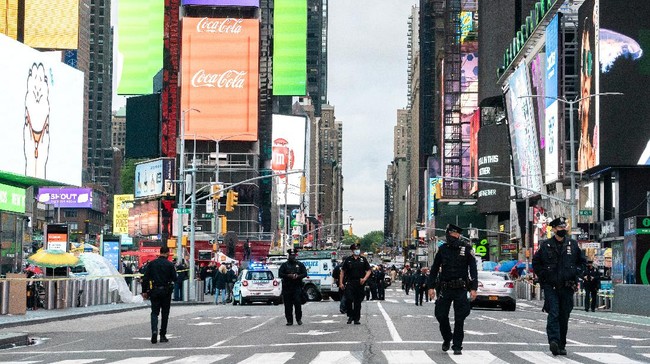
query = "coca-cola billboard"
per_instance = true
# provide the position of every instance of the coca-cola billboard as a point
(254, 3)
(220, 76)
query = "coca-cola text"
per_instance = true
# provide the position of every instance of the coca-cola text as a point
(211, 25)
(227, 79)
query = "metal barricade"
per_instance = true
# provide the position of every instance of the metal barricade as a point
(4, 297)
(92, 292)
(84, 293)
(50, 295)
(198, 288)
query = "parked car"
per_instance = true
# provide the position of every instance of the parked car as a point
(495, 289)
(257, 284)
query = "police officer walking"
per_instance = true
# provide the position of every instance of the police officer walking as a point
(591, 283)
(157, 285)
(458, 275)
(354, 274)
(558, 263)
(292, 272)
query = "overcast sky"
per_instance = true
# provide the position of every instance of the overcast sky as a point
(367, 75)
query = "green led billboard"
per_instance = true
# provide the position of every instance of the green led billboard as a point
(290, 48)
(139, 44)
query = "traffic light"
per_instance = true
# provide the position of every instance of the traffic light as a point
(215, 191)
(303, 184)
(231, 200)
(223, 224)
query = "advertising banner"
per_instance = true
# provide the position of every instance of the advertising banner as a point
(111, 251)
(139, 45)
(154, 178)
(121, 206)
(220, 78)
(12, 199)
(523, 133)
(290, 48)
(289, 138)
(551, 135)
(493, 165)
(255, 3)
(66, 197)
(56, 237)
(144, 219)
(42, 115)
(59, 29)
(588, 64)
(431, 201)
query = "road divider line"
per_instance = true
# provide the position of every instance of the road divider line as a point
(251, 329)
(391, 327)
(529, 329)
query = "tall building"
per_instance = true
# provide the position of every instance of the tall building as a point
(118, 139)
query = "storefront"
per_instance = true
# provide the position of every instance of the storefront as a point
(12, 228)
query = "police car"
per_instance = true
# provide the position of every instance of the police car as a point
(257, 283)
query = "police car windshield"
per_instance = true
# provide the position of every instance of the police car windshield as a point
(259, 275)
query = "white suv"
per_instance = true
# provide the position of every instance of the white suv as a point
(257, 284)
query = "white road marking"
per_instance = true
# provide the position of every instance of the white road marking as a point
(200, 359)
(529, 329)
(268, 358)
(325, 322)
(407, 357)
(391, 327)
(18, 362)
(539, 357)
(338, 357)
(475, 356)
(77, 361)
(609, 358)
(205, 323)
(521, 304)
(390, 300)
(142, 360)
(621, 337)
(470, 332)
(313, 333)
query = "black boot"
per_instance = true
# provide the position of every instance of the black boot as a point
(154, 337)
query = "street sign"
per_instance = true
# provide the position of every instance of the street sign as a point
(183, 211)
(196, 228)
(586, 212)
(207, 216)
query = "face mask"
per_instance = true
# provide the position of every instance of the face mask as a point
(357, 252)
(561, 233)
(451, 239)
(292, 258)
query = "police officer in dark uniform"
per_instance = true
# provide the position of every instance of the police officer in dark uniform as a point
(591, 283)
(354, 274)
(157, 285)
(558, 263)
(292, 272)
(458, 275)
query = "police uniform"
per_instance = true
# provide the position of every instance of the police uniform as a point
(557, 264)
(158, 284)
(354, 269)
(591, 283)
(292, 287)
(458, 275)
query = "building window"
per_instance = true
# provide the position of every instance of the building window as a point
(70, 213)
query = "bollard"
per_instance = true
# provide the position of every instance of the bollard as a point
(92, 292)
(69, 293)
(100, 292)
(107, 291)
(186, 291)
(198, 288)
(60, 294)
(134, 287)
(4, 297)
(85, 293)
(75, 293)
(50, 295)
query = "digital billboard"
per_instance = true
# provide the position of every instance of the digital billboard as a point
(143, 126)
(139, 45)
(144, 219)
(155, 178)
(493, 165)
(623, 65)
(551, 128)
(290, 48)
(52, 24)
(12, 199)
(523, 133)
(42, 115)
(220, 78)
(255, 3)
(121, 206)
(9, 18)
(588, 65)
(66, 197)
(289, 147)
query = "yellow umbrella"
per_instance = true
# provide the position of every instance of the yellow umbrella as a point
(53, 259)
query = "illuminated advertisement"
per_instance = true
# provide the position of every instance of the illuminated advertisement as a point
(588, 66)
(523, 134)
(144, 219)
(139, 45)
(9, 18)
(623, 65)
(537, 83)
(12, 199)
(58, 30)
(289, 138)
(42, 115)
(255, 3)
(220, 77)
(66, 197)
(493, 165)
(111, 251)
(154, 178)
(431, 201)
(474, 126)
(551, 128)
(290, 48)
(466, 24)
(121, 206)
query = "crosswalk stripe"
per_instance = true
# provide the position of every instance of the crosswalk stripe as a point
(142, 360)
(200, 359)
(18, 362)
(609, 358)
(338, 357)
(269, 358)
(77, 361)
(539, 357)
(476, 356)
(646, 355)
(407, 357)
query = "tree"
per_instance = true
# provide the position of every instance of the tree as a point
(127, 175)
(349, 239)
(372, 241)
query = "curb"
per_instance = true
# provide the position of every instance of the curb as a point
(11, 340)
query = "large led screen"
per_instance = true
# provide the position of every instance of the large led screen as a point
(9, 18)
(42, 115)
(493, 165)
(254, 3)
(290, 48)
(588, 68)
(289, 148)
(551, 128)
(220, 78)
(154, 178)
(139, 45)
(144, 219)
(523, 133)
(52, 24)
(623, 65)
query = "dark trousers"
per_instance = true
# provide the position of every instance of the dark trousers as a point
(160, 300)
(353, 298)
(591, 299)
(291, 298)
(381, 291)
(419, 295)
(558, 303)
(343, 307)
(457, 296)
(407, 287)
(178, 290)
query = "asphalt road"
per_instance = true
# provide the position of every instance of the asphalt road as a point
(392, 331)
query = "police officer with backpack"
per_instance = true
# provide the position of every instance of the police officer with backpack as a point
(458, 275)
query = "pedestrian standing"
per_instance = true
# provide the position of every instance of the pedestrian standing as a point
(407, 280)
(157, 285)
(420, 286)
(558, 263)
(182, 270)
(231, 278)
(354, 274)
(381, 283)
(220, 283)
(292, 272)
(453, 273)
(591, 283)
(209, 274)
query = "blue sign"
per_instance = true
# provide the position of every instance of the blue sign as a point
(551, 85)
(111, 251)
(551, 132)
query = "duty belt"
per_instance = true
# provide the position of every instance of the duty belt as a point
(456, 283)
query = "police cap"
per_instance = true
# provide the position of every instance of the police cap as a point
(353, 247)
(560, 221)
(454, 228)
(291, 252)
